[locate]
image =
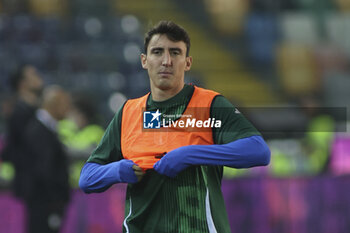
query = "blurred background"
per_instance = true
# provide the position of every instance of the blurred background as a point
(283, 63)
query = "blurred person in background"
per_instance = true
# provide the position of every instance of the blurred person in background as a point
(174, 177)
(47, 187)
(80, 132)
(319, 135)
(27, 86)
(6, 168)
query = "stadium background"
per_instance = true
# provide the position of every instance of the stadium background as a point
(284, 63)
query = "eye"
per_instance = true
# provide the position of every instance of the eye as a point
(175, 52)
(156, 51)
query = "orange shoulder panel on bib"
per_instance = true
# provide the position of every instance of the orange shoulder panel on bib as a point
(142, 146)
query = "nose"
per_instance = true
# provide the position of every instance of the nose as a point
(167, 59)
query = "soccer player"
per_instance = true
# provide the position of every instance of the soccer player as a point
(173, 172)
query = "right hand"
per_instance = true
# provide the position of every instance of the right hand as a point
(129, 172)
(138, 172)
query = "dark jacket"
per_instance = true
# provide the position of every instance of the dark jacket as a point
(48, 167)
(14, 150)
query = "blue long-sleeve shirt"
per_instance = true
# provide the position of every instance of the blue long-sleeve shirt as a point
(243, 153)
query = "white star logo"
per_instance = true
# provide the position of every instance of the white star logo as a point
(156, 115)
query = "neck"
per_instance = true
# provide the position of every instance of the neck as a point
(29, 98)
(162, 95)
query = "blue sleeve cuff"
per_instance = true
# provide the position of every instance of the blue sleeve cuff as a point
(97, 178)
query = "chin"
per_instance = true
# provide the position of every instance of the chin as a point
(165, 85)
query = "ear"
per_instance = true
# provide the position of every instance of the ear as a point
(144, 60)
(188, 63)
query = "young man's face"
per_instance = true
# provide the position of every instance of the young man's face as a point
(61, 105)
(166, 63)
(32, 81)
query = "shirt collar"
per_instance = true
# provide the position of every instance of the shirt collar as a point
(44, 117)
(185, 93)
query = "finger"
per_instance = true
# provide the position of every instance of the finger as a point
(136, 168)
(139, 173)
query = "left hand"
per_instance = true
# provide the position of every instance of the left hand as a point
(173, 162)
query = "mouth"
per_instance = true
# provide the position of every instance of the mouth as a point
(165, 73)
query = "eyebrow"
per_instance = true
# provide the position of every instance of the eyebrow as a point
(176, 49)
(171, 49)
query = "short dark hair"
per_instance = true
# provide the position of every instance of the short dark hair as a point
(173, 31)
